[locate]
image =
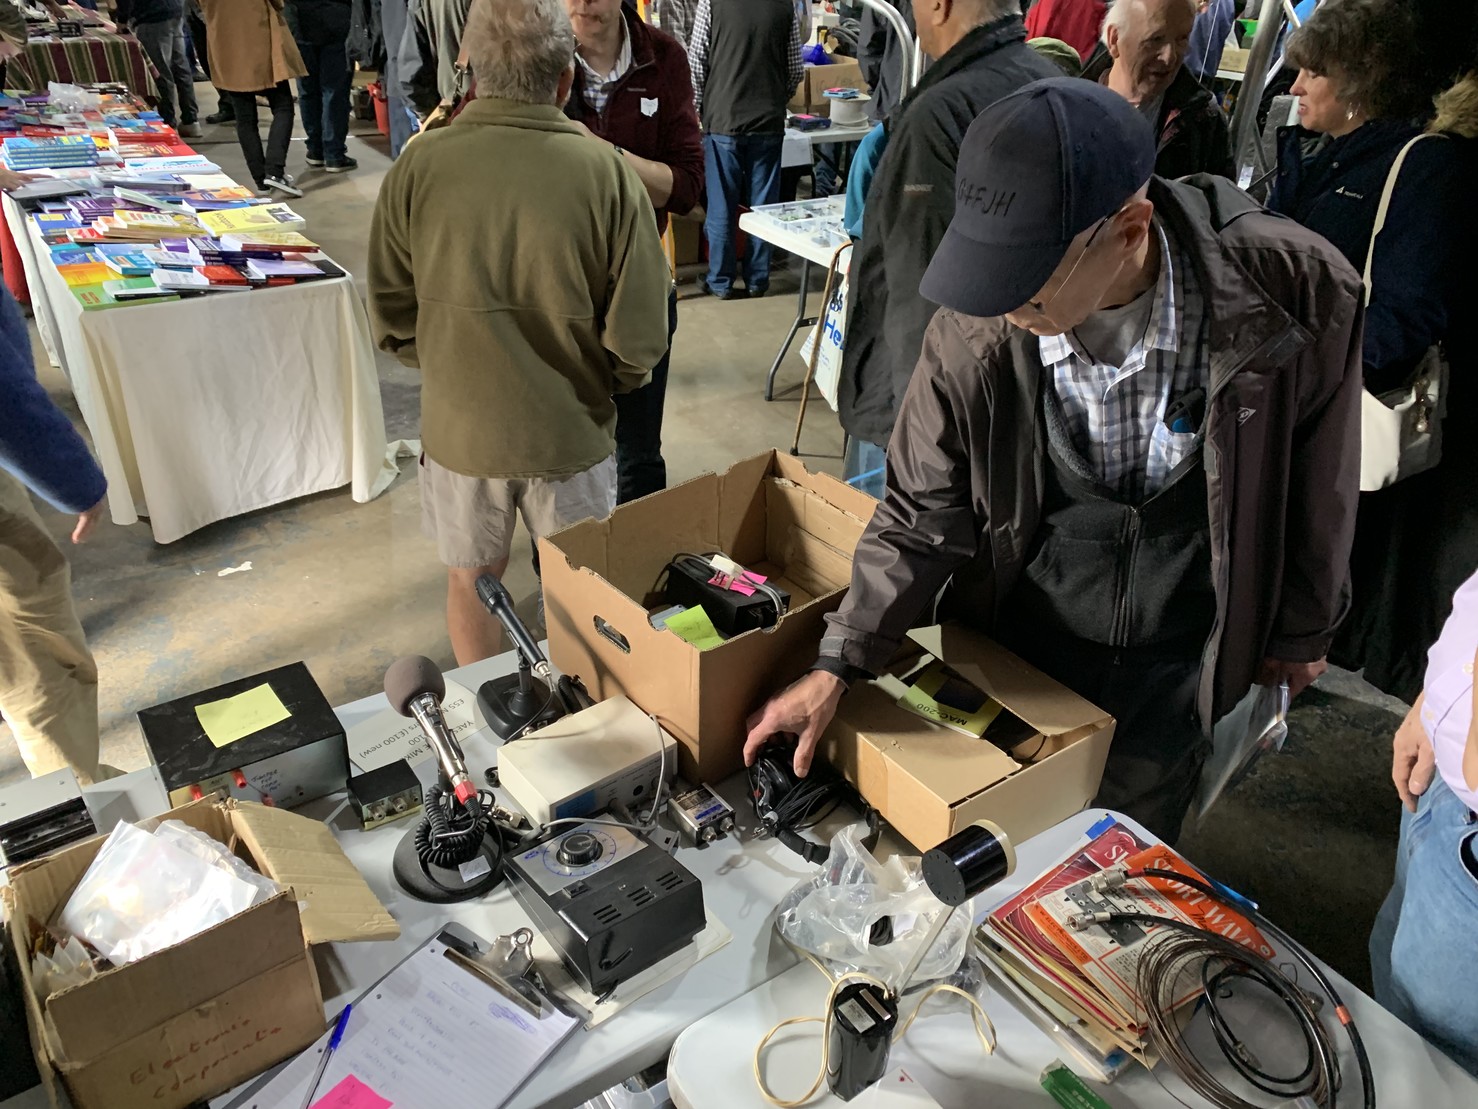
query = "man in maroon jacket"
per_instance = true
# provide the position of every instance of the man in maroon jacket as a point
(633, 90)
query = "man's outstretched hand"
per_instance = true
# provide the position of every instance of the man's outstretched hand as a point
(803, 710)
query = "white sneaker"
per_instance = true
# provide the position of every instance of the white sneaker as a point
(284, 184)
(190, 131)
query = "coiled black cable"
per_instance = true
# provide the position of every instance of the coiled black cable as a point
(451, 833)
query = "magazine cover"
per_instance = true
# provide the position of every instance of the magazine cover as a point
(1109, 954)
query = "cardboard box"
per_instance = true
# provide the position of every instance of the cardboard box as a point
(196, 1019)
(844, 73)
(769, 513)
(686, 241)
(930, 781)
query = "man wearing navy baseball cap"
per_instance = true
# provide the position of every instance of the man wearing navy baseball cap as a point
(1130, 449)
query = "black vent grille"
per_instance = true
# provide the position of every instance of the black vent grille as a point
(641, 895)
(670, 881)
(607, 914)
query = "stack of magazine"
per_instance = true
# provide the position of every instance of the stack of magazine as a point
(1080, 983)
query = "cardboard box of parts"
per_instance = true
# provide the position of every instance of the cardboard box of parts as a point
(195, 1019)
(770, 514)
(845, 73)
(930, 781)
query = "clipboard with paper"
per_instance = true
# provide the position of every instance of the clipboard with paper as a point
(443, 1027)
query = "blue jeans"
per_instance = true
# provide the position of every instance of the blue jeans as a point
(1424, 945)
(640, 468)
(864, 466)
(323, 98)
(741, 170)
(402, 119)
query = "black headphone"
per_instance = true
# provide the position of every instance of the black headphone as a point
(786, 803)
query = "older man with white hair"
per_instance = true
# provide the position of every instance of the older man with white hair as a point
(1144, 62)
(518, 265)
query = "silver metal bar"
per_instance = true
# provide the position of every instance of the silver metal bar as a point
(1244, 115)
(935, 931)
(910, 69)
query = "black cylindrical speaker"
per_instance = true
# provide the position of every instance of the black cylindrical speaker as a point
(968, 862)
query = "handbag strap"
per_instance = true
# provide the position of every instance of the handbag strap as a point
(1385, 205)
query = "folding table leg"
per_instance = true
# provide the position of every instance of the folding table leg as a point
(801, 320)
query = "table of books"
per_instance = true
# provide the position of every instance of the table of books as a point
(222, 362)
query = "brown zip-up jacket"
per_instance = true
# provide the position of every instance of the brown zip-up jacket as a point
(966, 465)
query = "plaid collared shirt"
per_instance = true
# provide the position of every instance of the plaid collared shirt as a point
(698, 51)
(1115, 415)
(675, 17)
(598, 86)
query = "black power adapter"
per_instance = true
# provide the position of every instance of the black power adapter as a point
(732, 613)
(863, 1018)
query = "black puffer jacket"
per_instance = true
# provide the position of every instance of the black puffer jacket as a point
(909, 206)
(1191, 132)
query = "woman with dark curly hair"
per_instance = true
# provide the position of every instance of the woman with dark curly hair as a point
(1361, 100)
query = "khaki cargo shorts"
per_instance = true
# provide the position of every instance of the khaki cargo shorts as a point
(472, 518)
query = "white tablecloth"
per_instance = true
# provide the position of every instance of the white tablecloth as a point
(208, 408)
(712, 1062)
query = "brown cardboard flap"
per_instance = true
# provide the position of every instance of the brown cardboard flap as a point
(940, 759)
(92, 1018)
(1046, 705)
(302, 853)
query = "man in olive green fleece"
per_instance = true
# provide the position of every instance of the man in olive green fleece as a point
(518, 265)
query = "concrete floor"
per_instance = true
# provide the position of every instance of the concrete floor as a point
(348, 588)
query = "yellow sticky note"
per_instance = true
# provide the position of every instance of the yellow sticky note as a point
(238, 717)
(694, 626)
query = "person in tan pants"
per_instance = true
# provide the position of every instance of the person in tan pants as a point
(48, 680)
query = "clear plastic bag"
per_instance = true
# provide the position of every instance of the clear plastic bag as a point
(858, 914)
(147, 891)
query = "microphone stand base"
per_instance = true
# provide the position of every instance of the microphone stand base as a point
(510, 710)
(441, 886)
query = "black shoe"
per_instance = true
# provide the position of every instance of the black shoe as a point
(341, 165)
(216, 118)
(315, 160)
(732, 294)
(755, 294)
(283, 183)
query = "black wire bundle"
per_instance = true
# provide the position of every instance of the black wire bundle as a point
(452, 833)
(1220, 961)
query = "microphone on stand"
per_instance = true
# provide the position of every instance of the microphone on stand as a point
(495, 596)
(438, 860)
(415, 687)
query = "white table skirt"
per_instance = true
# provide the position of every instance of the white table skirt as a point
(212, 407)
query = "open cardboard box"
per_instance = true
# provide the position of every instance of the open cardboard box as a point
(771, 514)
(196, 1019)
(930, 781)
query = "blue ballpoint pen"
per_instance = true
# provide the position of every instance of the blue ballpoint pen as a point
(333, 1044)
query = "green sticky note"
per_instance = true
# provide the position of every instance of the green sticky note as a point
(238, 717)
(694, 626)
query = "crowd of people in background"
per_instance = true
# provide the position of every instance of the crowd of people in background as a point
(1110, 400)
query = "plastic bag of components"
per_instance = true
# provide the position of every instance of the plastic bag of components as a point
(146, 891)
(858, 914)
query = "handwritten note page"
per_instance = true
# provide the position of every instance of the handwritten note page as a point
(431, 1033)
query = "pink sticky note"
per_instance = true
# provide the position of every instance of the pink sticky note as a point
(351, 1093)
(744, 584)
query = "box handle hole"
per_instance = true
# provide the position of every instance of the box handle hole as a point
(610, 633)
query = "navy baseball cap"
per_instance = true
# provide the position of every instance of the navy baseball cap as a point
(1035, 169)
